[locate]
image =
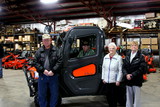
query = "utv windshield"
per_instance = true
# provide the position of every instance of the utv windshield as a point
(83, 46)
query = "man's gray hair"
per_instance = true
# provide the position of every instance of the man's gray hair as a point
(112, 44)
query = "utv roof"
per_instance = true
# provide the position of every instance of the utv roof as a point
(86, 27)
(82, 27)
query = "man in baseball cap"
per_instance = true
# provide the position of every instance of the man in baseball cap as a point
(86, 51)
(48, 61)
(46, 40)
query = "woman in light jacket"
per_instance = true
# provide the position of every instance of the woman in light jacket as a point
(112, 74)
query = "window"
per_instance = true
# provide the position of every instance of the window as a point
(83, 46)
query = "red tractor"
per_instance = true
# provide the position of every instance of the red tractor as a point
(149, 61)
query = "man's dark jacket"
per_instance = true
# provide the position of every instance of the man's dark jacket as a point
(136, 68)
(55, 59)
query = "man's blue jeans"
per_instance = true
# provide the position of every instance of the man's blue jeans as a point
(1, 69)
(46, 83)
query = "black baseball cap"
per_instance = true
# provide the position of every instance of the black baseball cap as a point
(85, 43)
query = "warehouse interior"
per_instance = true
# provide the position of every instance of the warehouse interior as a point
(22, 24)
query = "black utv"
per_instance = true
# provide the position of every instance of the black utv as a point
(82, 75)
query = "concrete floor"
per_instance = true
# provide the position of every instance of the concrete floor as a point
(14, 92)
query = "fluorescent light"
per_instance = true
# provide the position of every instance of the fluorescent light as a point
(48, 1)
(126, 25)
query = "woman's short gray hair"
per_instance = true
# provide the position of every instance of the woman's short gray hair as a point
(112, 44)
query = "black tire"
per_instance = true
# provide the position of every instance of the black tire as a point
(5, 67)
(148, 69)
(23, 68)
(59, 101)
(14, 67)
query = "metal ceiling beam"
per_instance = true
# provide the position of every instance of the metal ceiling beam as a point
(46, 11)
(35, 15)
(33, 2)
(70, 14)
(66, 9)
(52, 15)
(132, 3)
(134, 8)
(62, 2)
(31, 17)
(132, 13)
(99, 8)
(52, 10)
(113, 10)
(75, 8)
(24, 21)
(60, 15)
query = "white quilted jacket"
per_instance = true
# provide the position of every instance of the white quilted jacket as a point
(112, 69)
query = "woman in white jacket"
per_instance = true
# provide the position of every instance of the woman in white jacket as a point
(112, 74)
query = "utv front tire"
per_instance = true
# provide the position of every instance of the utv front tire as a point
(59, 101)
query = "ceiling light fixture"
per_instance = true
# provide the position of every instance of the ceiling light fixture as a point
(48, 1)
(126, 25)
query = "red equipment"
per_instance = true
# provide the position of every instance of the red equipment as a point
(16, 61)
(6, 58)
(32, 76)
(149, 60)
(145, 77)
(33, 72)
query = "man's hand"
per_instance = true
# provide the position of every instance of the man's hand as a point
(104, 82)
(129, 76)
(117, 83)
(45, 72)
(50, 73)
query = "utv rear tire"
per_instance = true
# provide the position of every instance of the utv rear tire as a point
(59, 101)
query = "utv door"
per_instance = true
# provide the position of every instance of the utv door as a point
(82, 75)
